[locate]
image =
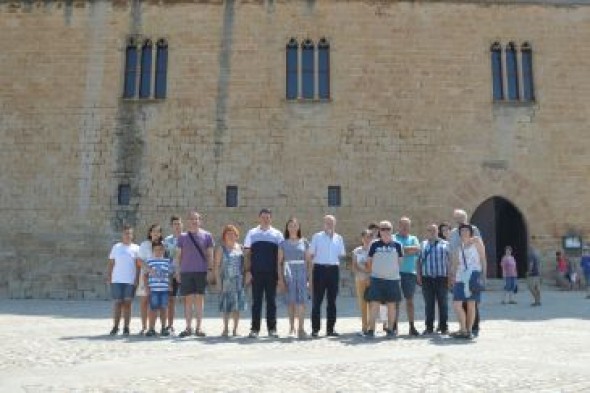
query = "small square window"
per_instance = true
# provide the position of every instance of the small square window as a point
(334, 198)
(124, 194)
(231, 196)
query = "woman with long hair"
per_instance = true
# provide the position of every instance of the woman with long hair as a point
(294, 269)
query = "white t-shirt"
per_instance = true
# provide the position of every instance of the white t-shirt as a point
(124, 269)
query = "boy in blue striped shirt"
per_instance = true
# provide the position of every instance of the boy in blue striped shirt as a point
(160, 271)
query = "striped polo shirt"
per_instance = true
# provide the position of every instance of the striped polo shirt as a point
(159, 277)
(435, 258)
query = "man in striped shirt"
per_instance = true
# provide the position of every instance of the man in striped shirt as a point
(160, 271)
(433, 268)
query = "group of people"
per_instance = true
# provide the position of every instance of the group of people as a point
(388, 265)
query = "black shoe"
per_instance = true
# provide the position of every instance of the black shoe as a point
(333, 334)
(413, 332)
(126, 331)
(475, 332)
(427, 332)
(150, 333)
(164, 332)
(370, 334)
(314, 334)
(390, 334)
(185, 333)
(114, 331)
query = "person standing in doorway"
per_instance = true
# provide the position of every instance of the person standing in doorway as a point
(408, 269)
(170, 243)
(508, 264)
(261, 248)
(195, 260)
(123, 277)
(534, 276)
(326, 249)
(461, 218)
(433, 276)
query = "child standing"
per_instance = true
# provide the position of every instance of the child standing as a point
(157, 278)
(509, 273)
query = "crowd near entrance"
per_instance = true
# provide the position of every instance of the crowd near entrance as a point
(502, 224)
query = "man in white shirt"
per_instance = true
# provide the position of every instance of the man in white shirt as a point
(326, 249)
(123, 277)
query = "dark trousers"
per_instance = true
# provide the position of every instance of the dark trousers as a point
(476, 319)
(264, 284)
(325, 283)
(435, 289)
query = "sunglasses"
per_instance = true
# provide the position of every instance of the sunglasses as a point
(385, 229)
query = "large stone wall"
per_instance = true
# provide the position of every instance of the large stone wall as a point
(411, 128)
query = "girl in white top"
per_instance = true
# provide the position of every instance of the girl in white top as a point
(470, 261)
(359, 267)
(145, 252)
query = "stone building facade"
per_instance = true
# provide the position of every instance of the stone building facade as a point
(411, 126)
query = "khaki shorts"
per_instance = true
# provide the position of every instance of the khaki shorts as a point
(534, 282)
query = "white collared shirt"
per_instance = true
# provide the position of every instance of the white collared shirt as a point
(326, 249)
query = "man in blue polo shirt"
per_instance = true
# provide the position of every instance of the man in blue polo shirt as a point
(411, 246)
(261, 250)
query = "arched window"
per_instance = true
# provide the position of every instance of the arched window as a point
(512, 71)
(130, 69)
(307, 69)
(497, 80)
(527, 72)
(161, 68)
(292, 69)
(323, 69)
(146, 70)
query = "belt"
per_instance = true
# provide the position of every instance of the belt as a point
(296, 262)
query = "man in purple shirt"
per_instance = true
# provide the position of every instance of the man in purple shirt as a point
(195, 258)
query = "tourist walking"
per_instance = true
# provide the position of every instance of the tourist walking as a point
(562, 279)
(508, 264)
(154, 235)
(433, 276)
(585, 265)
(294, 271)
(261, 251)
(229, 273)
(534, 276)
(361, 277)
(326, 249)
(123, 277)
(195, 261)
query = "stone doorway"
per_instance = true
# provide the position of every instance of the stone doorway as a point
(502, 224)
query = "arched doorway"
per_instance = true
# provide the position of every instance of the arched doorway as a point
(502, 224)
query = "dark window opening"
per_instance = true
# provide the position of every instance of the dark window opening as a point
(124, 195)
(334, 197)
(231, 196)
(292, 69)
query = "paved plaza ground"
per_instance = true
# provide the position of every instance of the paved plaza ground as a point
(63, 346)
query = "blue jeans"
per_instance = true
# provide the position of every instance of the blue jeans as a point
(434, 290)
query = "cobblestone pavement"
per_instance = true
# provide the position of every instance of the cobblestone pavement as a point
(61, 346)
